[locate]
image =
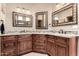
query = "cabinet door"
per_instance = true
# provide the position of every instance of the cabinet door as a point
(51, 48)
(61, 49)
(62, 46)
(24, 44)
(9, 44)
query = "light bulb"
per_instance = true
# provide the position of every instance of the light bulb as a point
(56, 18)
(23, 10)
(18, 9)
(28, 12)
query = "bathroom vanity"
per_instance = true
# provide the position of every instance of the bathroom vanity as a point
(49, 43)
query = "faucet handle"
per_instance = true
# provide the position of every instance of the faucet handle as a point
(61, 31)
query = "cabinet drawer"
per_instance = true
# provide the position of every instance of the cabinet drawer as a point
(42, 44)
(39, 41)
(6, 45)
(62, 40)
(9, 52)
(39, 48)
(61, 44)
(25, 39)
(51, 40)
(9, 38)
(24, 36)
(42, 37)
(51, 36)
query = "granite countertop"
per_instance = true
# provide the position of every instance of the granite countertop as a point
(46, 33)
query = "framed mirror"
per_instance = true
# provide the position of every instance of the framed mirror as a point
(21, 20)
(42, 20)
(65, 16)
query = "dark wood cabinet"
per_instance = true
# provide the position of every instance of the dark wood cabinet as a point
(61, 50)
(51, 48)
(39, 43)
(8, 46)
(42, 20)
(57, 46)
(24, 44)
(62, 46)
(51, 45)
(12, 45)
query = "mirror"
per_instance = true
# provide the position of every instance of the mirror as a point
(65, 16)
(42, 20)
(22, 20)
(27, 19)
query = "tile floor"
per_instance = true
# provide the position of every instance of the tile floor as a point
(35, 54)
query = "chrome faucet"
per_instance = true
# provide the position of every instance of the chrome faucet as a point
(61, 31)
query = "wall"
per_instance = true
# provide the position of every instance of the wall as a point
(32, 7)
(10, 7)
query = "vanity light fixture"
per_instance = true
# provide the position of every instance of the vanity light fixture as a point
(57, 5)
(23, 10)
(28, 11)
(18, 9)
(64, 4)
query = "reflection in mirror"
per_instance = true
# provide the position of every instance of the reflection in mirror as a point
(40, 17)
(27, 19)
(42, 20)
(20, 23)
(70, 19)
(65, 16)
(20, 18)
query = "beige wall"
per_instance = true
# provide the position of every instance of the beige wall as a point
(32, 7)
